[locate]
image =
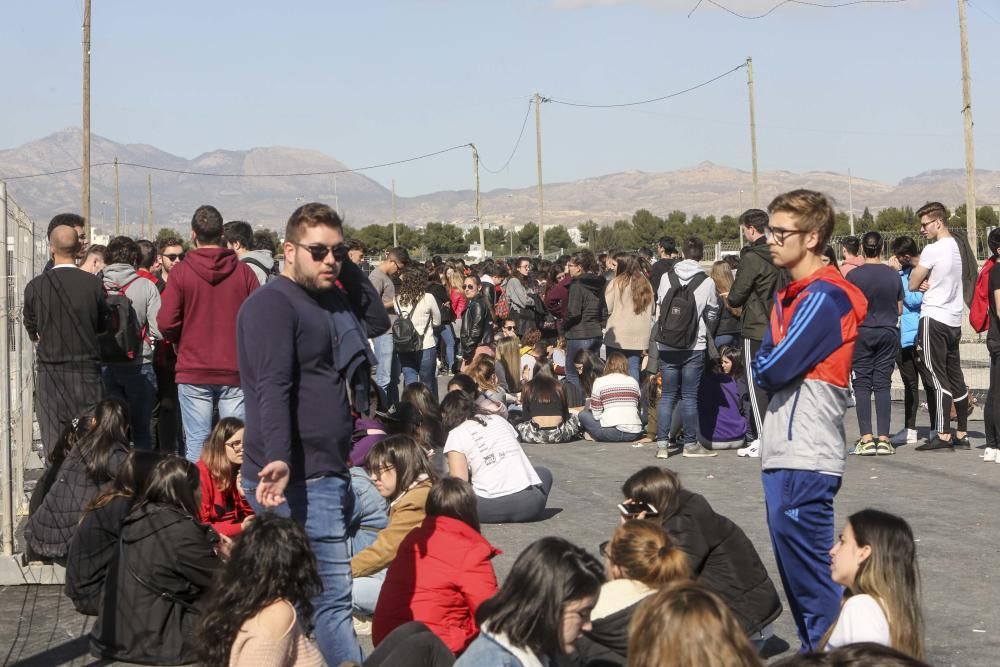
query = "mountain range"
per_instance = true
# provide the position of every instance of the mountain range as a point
(705, 188)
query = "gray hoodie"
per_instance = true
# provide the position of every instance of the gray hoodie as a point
(704, 296)
(264, 258)
(145, 300)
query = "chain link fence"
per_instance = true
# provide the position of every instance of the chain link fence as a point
(26, 252)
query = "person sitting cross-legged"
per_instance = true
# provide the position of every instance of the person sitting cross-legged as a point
(613, 415)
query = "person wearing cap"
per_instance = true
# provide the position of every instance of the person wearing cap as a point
(877, 344)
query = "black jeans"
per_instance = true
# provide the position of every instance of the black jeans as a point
(991, 412)
(906, 361)
(941, 366)
(874, 357)
(411, 645)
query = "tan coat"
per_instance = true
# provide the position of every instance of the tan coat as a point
(626, 330)
(405, 514)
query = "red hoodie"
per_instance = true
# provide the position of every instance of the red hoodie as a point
(198, 314)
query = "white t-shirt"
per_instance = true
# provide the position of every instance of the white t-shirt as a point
(943, 300)
(861, 620)
(497, 464)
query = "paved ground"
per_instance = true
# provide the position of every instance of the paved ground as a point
(948, 498)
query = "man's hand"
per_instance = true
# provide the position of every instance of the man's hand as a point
(272, 481)
(924, 286)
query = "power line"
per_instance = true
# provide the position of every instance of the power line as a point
(655, 99)
(983, 12)
(806, 3)
(517, 143)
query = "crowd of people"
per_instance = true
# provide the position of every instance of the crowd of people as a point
(249, 461)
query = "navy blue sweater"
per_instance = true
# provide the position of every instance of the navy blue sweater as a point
(296, 397)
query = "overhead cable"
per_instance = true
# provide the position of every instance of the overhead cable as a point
(806, 3)
(517, 143)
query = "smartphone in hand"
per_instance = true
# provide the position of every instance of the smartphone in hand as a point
(632, 509)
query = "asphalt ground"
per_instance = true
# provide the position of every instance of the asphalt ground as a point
(948, 498)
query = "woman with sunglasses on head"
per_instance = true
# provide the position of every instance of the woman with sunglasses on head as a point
(875, 559)
(476, 334)
(223, 505)
(403, 475)
(420, 308)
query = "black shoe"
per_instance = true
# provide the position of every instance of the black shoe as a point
(962, 443)
(936, 444)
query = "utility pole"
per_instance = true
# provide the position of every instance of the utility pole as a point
(479, 220)
(753, 133)
(970, 157)
(394, 242)
(336, 197)
(850, 200)
(118, 202)
(85, 196)
(538, 151)
(149, 190)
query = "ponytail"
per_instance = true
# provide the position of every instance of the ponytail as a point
(644, 552)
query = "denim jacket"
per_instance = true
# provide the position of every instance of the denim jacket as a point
(489, 651)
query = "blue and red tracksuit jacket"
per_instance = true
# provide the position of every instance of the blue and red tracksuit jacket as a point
(804, 363)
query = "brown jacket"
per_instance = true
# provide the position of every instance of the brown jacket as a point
(625, 329)
(405, 514)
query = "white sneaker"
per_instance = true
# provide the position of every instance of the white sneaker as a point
(907, 436)
(752, 450)
(990, 455)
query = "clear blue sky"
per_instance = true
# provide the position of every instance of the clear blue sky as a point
(875, 88)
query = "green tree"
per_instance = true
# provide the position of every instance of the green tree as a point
(587, 232)
(376, 238)
(526, 238)
(444, 238)
(646, 228)
(167, 233)
(558, 238)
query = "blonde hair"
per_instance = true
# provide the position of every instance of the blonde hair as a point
(722, 276)
(812, 210)
(509, 354)
(483, 371)
(456, 279)
(644, 552)
(686, 625)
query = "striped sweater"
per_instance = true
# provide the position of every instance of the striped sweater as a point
(615, 400)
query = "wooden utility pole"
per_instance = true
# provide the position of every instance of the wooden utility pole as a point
(149, 190)
(479, 220)
(538, 151)
(970, 156)
(394, 242)
(118, 202)
(850, 200)
(336, 198)
(85, 196)
(753, 133)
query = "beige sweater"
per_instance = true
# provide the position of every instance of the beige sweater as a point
(625, 329)
(260, 642)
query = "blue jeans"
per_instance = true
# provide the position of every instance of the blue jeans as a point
(387, 370)
(197, 403)
(634, 358)
(681, 371)
(365, 592)
(370, 515)
(324, 506)
(420, 367)
(574, 345)
(448, 338)
(136, 385)
(727, 339)
(800, 519)
(600, 433)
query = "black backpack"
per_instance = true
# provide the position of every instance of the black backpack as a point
(405, 337)
(271, 273)
(123, 341)
(679, 317)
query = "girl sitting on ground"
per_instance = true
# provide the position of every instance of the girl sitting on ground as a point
(223, 505)
(613, 415)
(259, 611)
(483, 449)
(492, 397)
(722, 420)
(508, 364)
(720, 554)
(588, 368)
(96, 538)
(442, 571)
(641, 559)
(403, 475)
(546, 413)
(541, 610)
(875, 559)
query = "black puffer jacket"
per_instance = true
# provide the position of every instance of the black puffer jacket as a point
(52, 525)
(723, 559)
(606, 643)
(477, 325)
(586, 309)
(153, 623)
(91, 551)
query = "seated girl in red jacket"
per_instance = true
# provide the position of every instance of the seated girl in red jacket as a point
(222, 503)
(442, 570)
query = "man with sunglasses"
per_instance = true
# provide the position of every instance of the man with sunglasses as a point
(171, 251)
(198, 316)
(167, 430)
(476, 333)
(303, 346)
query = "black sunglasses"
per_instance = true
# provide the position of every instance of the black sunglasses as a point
(319, 251)
(173, 257)
(469, 286)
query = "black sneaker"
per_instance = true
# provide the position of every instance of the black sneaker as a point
(936, 444)
(962, 443)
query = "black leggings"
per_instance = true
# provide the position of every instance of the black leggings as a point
(906, 361)
(411, 645)
(991, 412)
(525, 505)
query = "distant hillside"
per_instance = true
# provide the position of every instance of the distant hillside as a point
(705, 188)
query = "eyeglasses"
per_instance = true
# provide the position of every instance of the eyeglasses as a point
(929, 222)
(318, 251)
(781, 235)
(174, 256)
(235, 445)
(381, 470)
(602, 548)
(469, 286)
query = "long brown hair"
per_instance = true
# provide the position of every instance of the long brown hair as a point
(687, 625)
(543, 388)
(509, 354)
(483, 371)
(630, 276)
(644, 552)
(455, 498)
(616, 363)
(722, 276)
(404, 454)
(214, 452)
(657, 486)
(131, 480)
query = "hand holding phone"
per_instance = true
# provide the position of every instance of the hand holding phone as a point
(631, 509)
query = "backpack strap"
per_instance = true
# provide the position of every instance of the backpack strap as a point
(187, 606)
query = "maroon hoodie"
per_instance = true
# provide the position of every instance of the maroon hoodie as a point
(198, 314)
